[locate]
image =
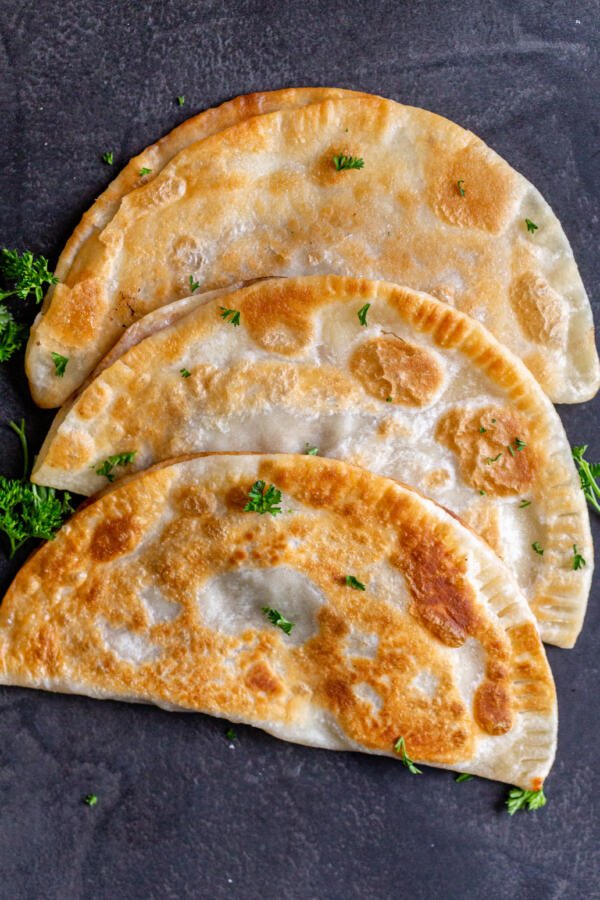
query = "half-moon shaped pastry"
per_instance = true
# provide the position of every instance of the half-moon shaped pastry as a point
(354, 185)
(419, 392)
(346, 613)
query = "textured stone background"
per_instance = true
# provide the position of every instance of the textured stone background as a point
(181, 813)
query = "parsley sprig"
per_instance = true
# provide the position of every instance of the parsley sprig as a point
(27, 274)
(119, 459)
(277, 619)
(60, 363)
(230, 315)
(578, 560)
(263, 499)
(28, 510)
(362, 313)
(353, 582)
(588, 472)
(400, 748)
(342, 162)
(531, 226)
(527, 800)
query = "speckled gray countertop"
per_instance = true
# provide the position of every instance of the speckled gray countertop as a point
(181, 813)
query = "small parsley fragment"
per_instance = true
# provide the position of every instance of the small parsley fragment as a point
(277, 619)
(119, 459)
(310, 451)
(482, 492)
(493, 459)
(185, 373)
(263, 499)
(578, 560)
(108, 157)
(12, 334)
(524, 503)
(91, 800)
(388, 399)
(588, 473)
(194, 285)
(181, 100)
(28, 510)
(362, 313)
(531, 226)
(482, 430)
(144, 171)
(353, 582)
(60, 364)
(230, 734)
(400, 748)
(459, 185)
(230, 315)
(28, 273)
(342, 162)
(527, 800)
(463, 777)
(538, 548)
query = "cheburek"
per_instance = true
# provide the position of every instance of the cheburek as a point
(156, 592)
(421, 393)
(432, 207)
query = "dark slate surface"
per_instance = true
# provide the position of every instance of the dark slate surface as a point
(180, 812)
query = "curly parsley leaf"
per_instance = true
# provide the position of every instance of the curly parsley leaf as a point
(108, 157)
(588, 473)
(400, 748)
(230, 315)
(538, 548)
(91, 800)
(185, 373)
(28, 273)
(362, 313)
(531, 226)
(120, 459)
(578, 560)
(144, 171)
(263, 499)
(527, 800)
(342, 162)
(181, 100)
(277, 619)
(12, 334)
(194, 285)
(60, 364)
(353, 582)
(310, 451)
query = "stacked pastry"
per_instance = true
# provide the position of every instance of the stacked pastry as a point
(318, 332)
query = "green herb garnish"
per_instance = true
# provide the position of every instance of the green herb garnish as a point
(463, 777)
(230, 315)
(400, 747)
(28, 510)
(342, 162)
(29, 274)
(108, 157)
(459, 185)
(493, 459)
(181, 100)
(60, 364)
(263, 499)
(185, 373)
(524, 503)
(12, 334)
(230, 734)
(353, 582)
(144, 171)
(120, 459)
(538, 548)
(277, 619)
(578, 560)
(520, 799)
(310, 451)
(482, 430)
(194, 285)
(91, 800)
(388, 399)
(531, 226)
(362, 313)
(588, 472)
